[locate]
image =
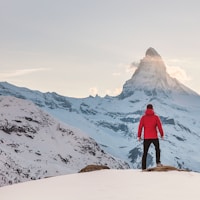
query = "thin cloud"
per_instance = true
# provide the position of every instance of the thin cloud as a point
(132, 67)
(20, 72)
(178, 73)
(116, 74)
(93, 91)
(177, 62)
(126, 68)
(115, 92)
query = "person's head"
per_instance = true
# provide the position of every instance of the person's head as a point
(150, 106)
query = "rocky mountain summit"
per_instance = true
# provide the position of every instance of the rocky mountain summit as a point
(151, 76)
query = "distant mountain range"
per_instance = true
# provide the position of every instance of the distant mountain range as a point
(112, 121)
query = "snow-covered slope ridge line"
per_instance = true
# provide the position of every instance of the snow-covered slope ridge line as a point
(109, 184)
(34, 145)
(113, 121)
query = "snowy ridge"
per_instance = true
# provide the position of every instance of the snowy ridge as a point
(111, 185)
(113, 121)
(34, 145)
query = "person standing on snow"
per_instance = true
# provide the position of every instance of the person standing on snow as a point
(150, 122)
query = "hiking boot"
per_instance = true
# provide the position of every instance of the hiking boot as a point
(159, 165)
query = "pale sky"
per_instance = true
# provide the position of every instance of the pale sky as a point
(79, 48)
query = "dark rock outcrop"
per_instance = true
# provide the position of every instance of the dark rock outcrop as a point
(90, 168)
(163, 168)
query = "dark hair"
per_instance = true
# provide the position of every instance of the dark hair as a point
(149, 106)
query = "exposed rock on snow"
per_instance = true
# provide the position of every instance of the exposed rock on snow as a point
(90, 168)
(163, 168)
(152, 52)
(34, 145)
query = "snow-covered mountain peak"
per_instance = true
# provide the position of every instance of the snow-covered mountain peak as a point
(151, 76)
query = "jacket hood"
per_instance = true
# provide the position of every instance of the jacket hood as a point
(149, 112)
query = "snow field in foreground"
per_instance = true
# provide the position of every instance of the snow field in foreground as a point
(109, 185)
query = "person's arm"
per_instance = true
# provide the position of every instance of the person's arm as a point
(160, 127)
(140, 129)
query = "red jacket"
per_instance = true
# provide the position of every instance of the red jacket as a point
(150, 122)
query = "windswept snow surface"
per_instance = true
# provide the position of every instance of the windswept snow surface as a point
(109, 185)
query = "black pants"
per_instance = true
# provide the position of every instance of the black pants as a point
(146, 145)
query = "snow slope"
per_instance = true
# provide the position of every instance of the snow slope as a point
(109, 185)
(35, 145)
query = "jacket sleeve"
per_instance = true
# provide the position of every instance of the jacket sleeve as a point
(140, 127)
(160, 127)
